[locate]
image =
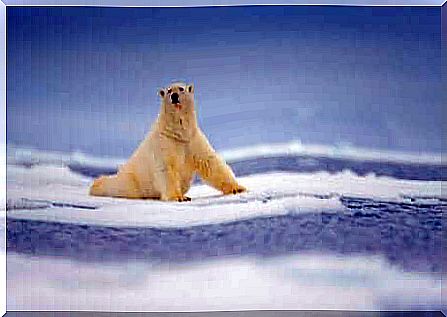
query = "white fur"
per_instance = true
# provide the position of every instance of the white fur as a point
(164, 164)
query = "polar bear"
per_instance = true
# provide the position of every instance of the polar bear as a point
(163, 165)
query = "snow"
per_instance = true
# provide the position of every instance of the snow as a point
(50, 191)
(305, 281)
(43, 175)
(48, 184)
(270, 194)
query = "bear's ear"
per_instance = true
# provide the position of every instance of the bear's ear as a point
(190, 88)
(162, 93)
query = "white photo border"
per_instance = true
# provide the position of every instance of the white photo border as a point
(150, 3)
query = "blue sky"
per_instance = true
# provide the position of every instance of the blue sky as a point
(85, 79)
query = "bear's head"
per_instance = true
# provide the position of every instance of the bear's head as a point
(178, 97)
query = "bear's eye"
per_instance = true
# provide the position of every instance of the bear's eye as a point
(181, 89)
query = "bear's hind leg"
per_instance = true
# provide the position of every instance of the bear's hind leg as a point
(99, 186)
(123, 185)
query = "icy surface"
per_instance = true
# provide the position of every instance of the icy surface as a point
(269, 195)
(321, 239)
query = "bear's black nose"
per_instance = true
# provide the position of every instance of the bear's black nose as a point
(174, 98)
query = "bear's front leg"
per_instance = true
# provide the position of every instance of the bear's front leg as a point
(173, 190)
(212, 168)
(214, 171)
